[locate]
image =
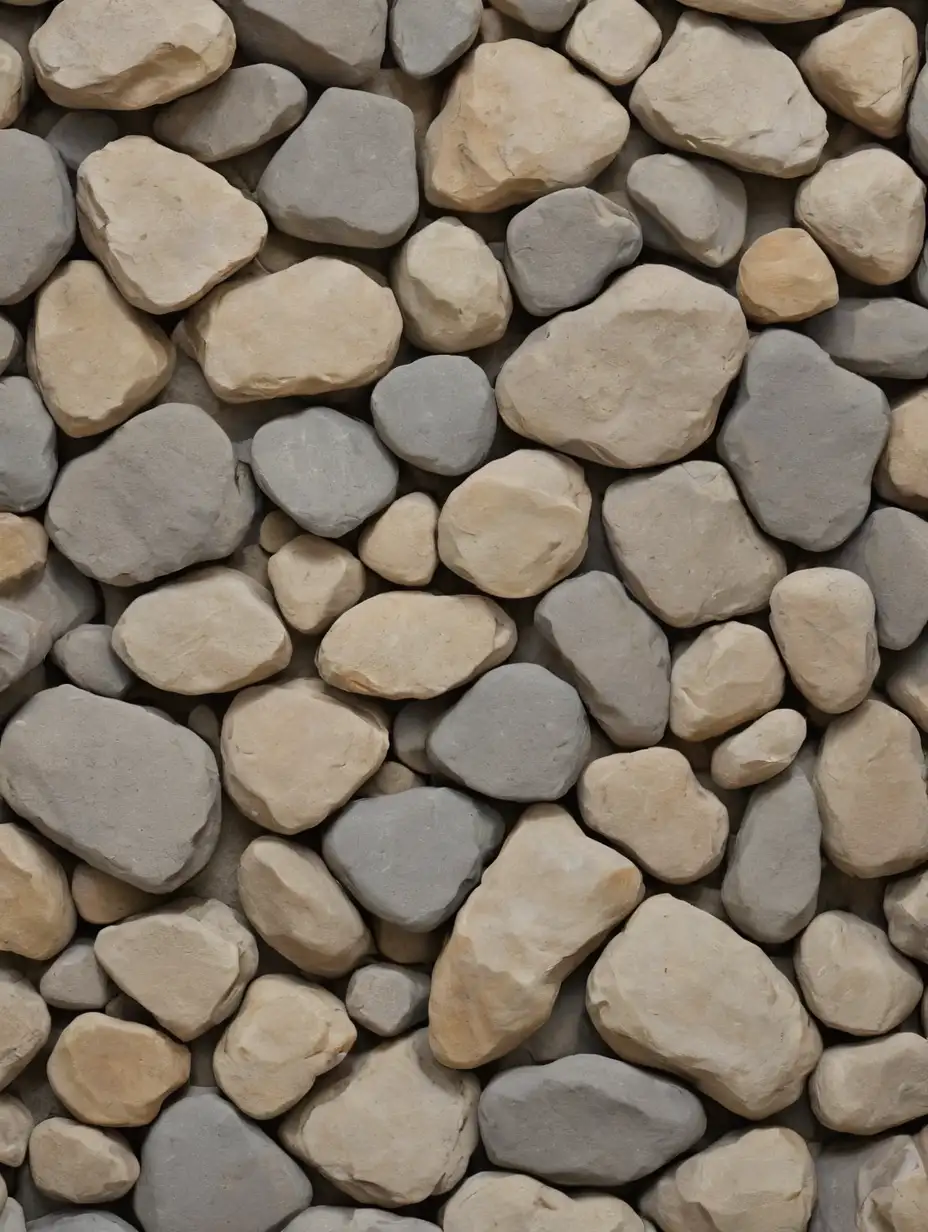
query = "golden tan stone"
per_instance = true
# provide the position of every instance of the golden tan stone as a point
(902, 473)
(401, 946)
(615, 39)
(24, 1024)
(314, 580)
(400, 544)
(392, 778)
(785, 276)
(77, 1163)
(23, 548)
(277, 529)
(869, 1087)
(37, 916)
(760, 751)
(12, 84)
(102, 899)
(728, 675)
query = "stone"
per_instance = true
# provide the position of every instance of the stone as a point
(901, 475)
(77, 1163)
(521, 1202)
(54, 774)
(543, 15)
(438, 412)
(25, 1024)
(728, 675)
(916, 123)
(277, 530)
(56, 599)
(11, 345)
(519, 733)
(314, 581)
(486, 150)
(79, 133)
(541, 907)
(28, 457)
(906, 907)
(81, 1221)
(567, 1031)
(102, 899)
(784, 276)
(338, 46)
(297, 906)
(394, 1127)
(652, 807)
(12, 84)
(427, 37)
(803, 450)
(700, 206)
(421, 96)
(867, 210)
(615, 39)
(37, 209)
(402, 946)
(392, 778)
(890, 553)
(870, 1087)
(75, 980)
(885, 337)
(634, 379)
(354, 1219)
(87, 658)
(400, 544)
(15, 1127)
(759, 751)
(23, 643)
(23, 548)
(684, 99)
(870, 764)
(110, 1072)
(165, 227)
(750, 1046)
(387, 999)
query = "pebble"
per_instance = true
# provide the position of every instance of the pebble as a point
(355, 1219)
(314, 581)
(906, 908)
(525, 1204)
(728, 675)
(11, 345)
(427, 37)
(885, 337)
(23, 548)
(77, 1163)
(75, 980)
(12, 84)
(386, 999)
(15, 1127)
(870, 1087)
(759, 751)
(902, 472)
(698, 206)
(890, 553)
(339, 46)
(28, 456)
(86, 656)
(37, 209)
(615, 39)
(400, 544)
(402, 946)
(25, 1024)
(392, 778)
(543, 15)
(82, 1221)
(784, 276)
(79, 133)
(102, 899)
(907, 686)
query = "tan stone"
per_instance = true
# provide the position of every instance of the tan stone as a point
(870, 784)
(77, 1163)
(276, 531)
(95, 359)
(864, 68)
(651, 806)
(299, 908)
(401, 946)
(23, 548)
(760, 751)
(24, 1024)
(285, 1035)
(519, 121)
(728, 675)
(907, 686)
(902, 473)
(400, 544)
(394, 1127)
(784, 276)
(867, 210)
(292, 753)
(867, 1088)
(392, 778)
(37, 916)
(15, 1127)
(508, 1202)
(314, 580)
(12, 84)
(318, 326)
(906, 908)
(748, 1043)
(892, 1185)
(102, 899)
(165, 227)
(110, 1072)
(213, 631)
(543, 904)
(130, 54)
(615, 39)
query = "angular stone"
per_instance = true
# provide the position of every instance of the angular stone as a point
(428, 35)
(25, 1024)
(75, 980)
(87, 658)
(890, 553)
(867, 1088)
(37, 916)
(760, 751)
(700, 206)
(400, 544)
(314, 581)
(386, 999)
(902, 473)
(15, 1127)
(12, 84)
(524, 1204)
(77, 1163)
(784, 276)
(37, 208)
(729, 674)
(906, 908)
(885, 337)
(615, 39)
(542, 15)
(28, 461)
(338, 46)
(23, 549)
(102, 899)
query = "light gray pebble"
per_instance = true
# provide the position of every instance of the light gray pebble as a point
(37, 217)
(388, 999)
(890, 553)
(87, 658)
(337, 44)
(354, 1219)
(57, 599)
(79, 133)
(12, 1218)
(875, 337)
(700, 205)
(838, 1195)
(75, 980)
(411, 728)
(11, 345)
(428, 35)
(23, 644)
(28, 454)
(917, 122)
(544, 15)
(80, 1221)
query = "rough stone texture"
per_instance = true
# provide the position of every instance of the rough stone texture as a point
(28, 456)
(428, 35)
(902, 472)
(400, 544)
(37, 917)
(339, 46)
(615, 39)
(784, 276)
(25, 1024)
(697, 206)
(87, 658)
(75, 980)
(890, 553)
(760, 751)
(15, 1127)
(729, 674)
(867, 1088)
(77, 1163)
(314, 581)
(386, 999)
(520, 1202)
(37, 212)
(885, 337)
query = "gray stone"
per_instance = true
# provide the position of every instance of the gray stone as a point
(23, 645)
(219, 876)
(87, 658)
(41, 609)
(845, 1176)
(562, 248)
(205, 1166)
(413, 857)
(803, 439)
(615, 654)
(388, 999)
(917, 122)
(75, 980)
(37, 218)
(411, 729)
(354, 1219)
(890, 552)
(587, 1120)
(875, 337)
(347, 175)
(907, 685)
(428, 35)
(544, 15)
(28, 457)
(244, 108)
(130, 792)
(329, 472)
(11, 345)
(439, 413)
(79, 133)
(12, 1219)
(338, 44)
(519, 733)
(569, 1029)
(80, 1221)
(700, 205)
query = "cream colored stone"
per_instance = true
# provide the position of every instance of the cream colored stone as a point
(652, 807)
(95, 359)
(23, 548)
(892, 1185)
(518, 121)
(15, 1127)
(37, 916)
(508, 1202)
(299, 908)
(546, 900)
(394, 1128)
(784, 276)
(778, 11)
(294, 752)
(401, 946)
(77, 1163)
(902, 473)
(400, 544)
(679, 990)
(314, 580)
(318, 326)
(24, 1024)
(12, 84)
(128, 54)
(728, 675)
(392, 778)
(213, 631)
(906, 908)
(102, 899)
(907, 686)
(615, 39)
(285, 1035)
(867, 1088)
(517, 525)
(165, 227)
(277, 529)
(870, 784)
(110, 1072)
(864, 67)
(867, 210)
(634, 378)
(760, 751)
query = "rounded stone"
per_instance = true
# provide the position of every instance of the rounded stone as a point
(728, 675)
(865, 1088)
(25, 1024)
(784, 276)
(37, 212)
(314, 581)
(759, 751)
(400, 544)
(615, 39)
(77, 1163)
(28, 461)
(37, 917)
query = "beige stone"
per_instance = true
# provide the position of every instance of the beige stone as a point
(615, 39)
(400, 544)
(651, 806)
(299, 908)
(748, 1043)
(892, 1185)
(393, 1128)
(851, 977)
(392, 778)
(23, 548)
(125, 55)
(12, 84)
(760, 751)
(906, 908)
(907, 686)
(728, 675)
(867, 210)
(543, 904)
(110, 1072)
(285, 1035)
(318, 326)
(102, 899)
(77, 1163)
(24, 1024)
(37, 916)
(95, 359)
(508, 1202)
(870, 785)
(634, 378)
(276, 531)
(294, 752)
(867, 1088)
(314, 580)
(15, 1127)
(165, 227)
(784, 276)
(902, 473)
(864, 68)
(518, 121)
(517, 525)
(213, 631)
(401, 946)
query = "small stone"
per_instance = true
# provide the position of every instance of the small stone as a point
(422, 97)
(870, 1087)
(400, 544)
(37, 208)
(902, 473)
(784, 276)
(36, 909)
(392, 778)
(356, 1219)
(411, 727)
(700, 206)
(386, 999)
(28, 461)
(87, 658)
(75, 980)
(25, 1024)
(428, 35)
(615, 39)
(76, 1163)
(277, 530)
(12, 84)
(567, 1031)
(15, 1127)
(110, 1072)
(906, 908)
(729, 674)
(56, 599)
(11, 344)
(23, 548)
(526, 1205)
(884, 337)
(81, 1221)
(890, 553)
(314, 581)
(544, 15)
(402, 946)
(102, 899)
(760, 751)
(79, 133)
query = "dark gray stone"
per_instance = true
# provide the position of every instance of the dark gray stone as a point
(28, 456)
(334, 44)
(428, 35)
(875, 337)
(351, 1219)
(86, 656)
(79, 133)
(37, 218)
(890, 552)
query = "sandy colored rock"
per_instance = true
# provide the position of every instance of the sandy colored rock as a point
(23, 548)
(102, 899)
(24, 1024)
(522, 1204)
(728, 675)
(165, 227)
(521, 932)
(906, 907)
(37, 916)
(213, 631)
(401, 945)
(615, 39)
(70, 1162)
(758, 752)
(314, 581)
(902, 472)
(867, 1088)
(285, 1035)
(12, 84)
(400, 544)
(518, 121)
(294, 752)
(392, 778)
(784, 276)
(110, 1072)
(16, 1123)
(277, 530)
